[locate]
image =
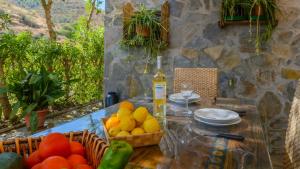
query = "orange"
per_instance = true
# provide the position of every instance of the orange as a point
(33, 159)
(83, 166)
(112, 122)
(77, 148)
(37, 166)
(126, 104)
(56, 162)
(76, 159)
(54, 144)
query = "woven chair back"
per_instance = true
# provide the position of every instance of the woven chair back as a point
(203, 80)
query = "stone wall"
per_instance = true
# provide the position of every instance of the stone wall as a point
(267, 80)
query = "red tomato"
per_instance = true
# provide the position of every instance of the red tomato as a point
(77, 148)
(55, 144)
(56, 162)
(76, 159)
(33, 159)
(37, 166)
(83, 166)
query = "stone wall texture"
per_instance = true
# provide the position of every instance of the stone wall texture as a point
(267, 80)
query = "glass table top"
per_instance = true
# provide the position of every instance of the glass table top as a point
(180, 144)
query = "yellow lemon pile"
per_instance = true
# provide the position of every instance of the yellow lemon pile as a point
(129, 121)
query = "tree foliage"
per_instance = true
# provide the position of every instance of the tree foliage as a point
(78, 60)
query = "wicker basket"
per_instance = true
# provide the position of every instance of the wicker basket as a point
(94, 146)
(142, 140)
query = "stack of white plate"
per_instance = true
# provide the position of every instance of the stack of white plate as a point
(178, 98)
(217, 117)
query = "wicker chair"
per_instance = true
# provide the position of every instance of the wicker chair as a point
(203, 80)
(292, 140)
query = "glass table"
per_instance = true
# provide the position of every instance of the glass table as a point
(183, 148)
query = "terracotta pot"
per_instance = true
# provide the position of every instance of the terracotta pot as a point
(41, 118)
(258, 10)
(142, 31)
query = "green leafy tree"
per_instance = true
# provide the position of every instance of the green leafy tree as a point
(13, 49)
(92, 6)
(78, 60)
(91, 44)
(47, 5)
(46, 52)
(68, 61)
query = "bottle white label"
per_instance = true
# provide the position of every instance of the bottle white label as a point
(160, 91)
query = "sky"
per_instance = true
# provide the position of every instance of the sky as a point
(103, 5)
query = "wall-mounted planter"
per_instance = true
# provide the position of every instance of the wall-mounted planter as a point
(146, 28)
(235, 18)
(242, 17)
(255, 18)
(142, 31)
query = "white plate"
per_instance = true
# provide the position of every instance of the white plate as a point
(179, 97)
(218, 124)
(212, 115)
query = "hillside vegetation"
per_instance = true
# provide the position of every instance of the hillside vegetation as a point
(28, 15)
(63, 12)
(23, 19)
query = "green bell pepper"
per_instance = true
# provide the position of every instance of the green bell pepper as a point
(116, 156)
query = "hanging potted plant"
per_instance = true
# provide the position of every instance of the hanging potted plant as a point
(145, 22)
(262, 10)
(34, 94)
(234, 10)
(144, 31)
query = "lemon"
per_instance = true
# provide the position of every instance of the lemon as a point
(123, 112)
(114, 115)
(137, 131)
(140, 114)
(151, 125)
(112, 122)
(133, 124)
(114, 131)
(149, 116)
(123, 133)
(138, 124)
(127, 124)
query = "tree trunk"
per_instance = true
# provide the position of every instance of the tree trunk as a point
(47, 9)
(67, 68)
(6, 107)
(91, 14)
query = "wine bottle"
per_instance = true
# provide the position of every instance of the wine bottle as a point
(160, 94)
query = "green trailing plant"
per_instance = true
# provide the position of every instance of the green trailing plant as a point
(229, 7)
(257, 11)
(235, 9)
(36, 91)
(266, 12)
(146, 20)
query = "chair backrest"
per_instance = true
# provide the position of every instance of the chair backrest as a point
(203, 80)
(292, 139)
